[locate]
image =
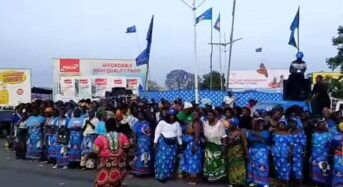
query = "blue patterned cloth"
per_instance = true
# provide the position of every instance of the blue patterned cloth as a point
(75, 140)
(165, 161)
(281, 151)
(62, 150)
(143, 162)
(258, 165)
(215, 96)
(192, 163)
(34, 145)
(332, 127)
(100, 129)
(337, 143)
(299, 147)
(87, 144)
(321, 172)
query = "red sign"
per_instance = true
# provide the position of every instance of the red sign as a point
(118, 81)
(133, 82)
(70, 65)
(83, 81)
(101, 81)
(68, 81)
(20, 91)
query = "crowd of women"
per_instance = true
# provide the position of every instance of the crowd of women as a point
(179, 139)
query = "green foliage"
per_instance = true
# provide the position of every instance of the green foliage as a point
(336, 87)
(215, 81)
(337, 61)
(154, 86)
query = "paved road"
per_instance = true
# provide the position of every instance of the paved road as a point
(19, 173)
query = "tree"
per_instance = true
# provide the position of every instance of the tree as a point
(180, 80)
(337, 61)
(154, 86)
(215, 81)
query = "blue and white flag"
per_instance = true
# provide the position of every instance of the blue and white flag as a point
(143, 58)
(217, 24)
(131, 29)
(295, 23)
(293, 27)
(207, 15)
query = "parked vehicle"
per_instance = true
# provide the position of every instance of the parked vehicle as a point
(6, 114)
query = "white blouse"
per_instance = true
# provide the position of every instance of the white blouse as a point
(214, 133)
(168, 131)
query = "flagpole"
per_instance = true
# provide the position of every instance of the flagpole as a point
(231, 43)
(211, 58)
(220, 61)
(299, 31)
(196, 89)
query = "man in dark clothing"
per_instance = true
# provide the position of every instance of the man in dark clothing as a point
(320, 96)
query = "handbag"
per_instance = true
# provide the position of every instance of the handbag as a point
(63, 136)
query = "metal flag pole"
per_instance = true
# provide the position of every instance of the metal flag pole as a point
(220, 61)
(211, 58)
(194, 7)
(231, 43)
(298, 30)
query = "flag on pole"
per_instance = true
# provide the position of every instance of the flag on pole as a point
(207, 15)
(258, 50)
(293, 27)
(131, 29)
(217, 24)
(143, 58)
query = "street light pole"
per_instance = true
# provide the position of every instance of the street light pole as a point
(231, 43)
(194, 7)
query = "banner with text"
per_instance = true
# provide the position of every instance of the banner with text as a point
(15, 86)
(91, 78)
(258, 79)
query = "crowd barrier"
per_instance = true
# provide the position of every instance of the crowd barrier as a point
(215, 96)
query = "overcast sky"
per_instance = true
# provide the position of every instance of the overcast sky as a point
(33, 32)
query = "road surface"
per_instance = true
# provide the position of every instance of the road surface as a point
(22, 173)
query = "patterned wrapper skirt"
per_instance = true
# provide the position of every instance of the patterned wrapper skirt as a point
(214, 167)
(75, 146)
(86, 149)
(165, 161)
(192, 163)
(337, 178)
(142, 163)
(34, 144)
(258, 166)
(236, 165)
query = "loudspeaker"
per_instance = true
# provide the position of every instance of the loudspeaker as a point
(296, 89)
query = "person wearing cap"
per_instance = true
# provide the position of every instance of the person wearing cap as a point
(236, 146)
(185, 115)
(258, 157)
(337, 144)
(299, 149)
(282, 152)
(229, 100)
(320, 154)
(215, 164)
(168, 138)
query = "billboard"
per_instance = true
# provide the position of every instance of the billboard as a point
(326, 75)
(258, 79)
(90, 78)
(15, 86)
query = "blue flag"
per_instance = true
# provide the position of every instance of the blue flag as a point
(143, 58)
(131, 29)
(207, 15)
(293, 27)
(292, 40)
(217, 24)
(296, 20)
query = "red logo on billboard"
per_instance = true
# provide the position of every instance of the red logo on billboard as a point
(118, 81)
(20, 91)
(84, 81)
(67, 81)
(101, 81)
(133, 82)
(70, 65)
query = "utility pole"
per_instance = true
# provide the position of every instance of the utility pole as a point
(231, 43)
